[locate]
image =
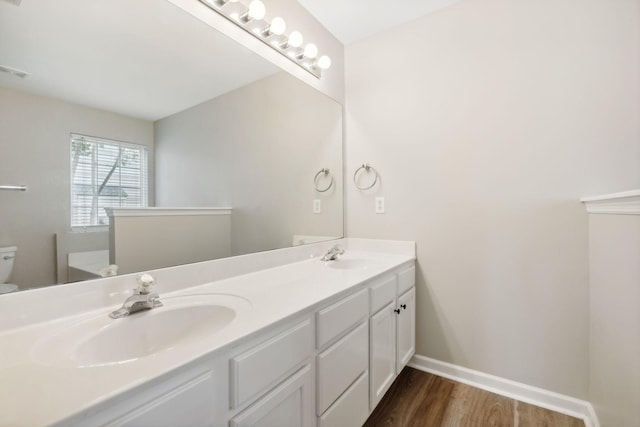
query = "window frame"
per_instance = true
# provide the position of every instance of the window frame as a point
(144, 177)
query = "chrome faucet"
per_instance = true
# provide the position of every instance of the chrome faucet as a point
(142, 298)
(332, 254)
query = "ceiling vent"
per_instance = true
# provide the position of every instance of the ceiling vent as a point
(13, 71)
(14, 2)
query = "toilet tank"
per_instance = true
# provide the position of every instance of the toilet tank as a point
(7, 255)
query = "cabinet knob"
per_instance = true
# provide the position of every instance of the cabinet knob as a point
(404, 306)
(397, 311)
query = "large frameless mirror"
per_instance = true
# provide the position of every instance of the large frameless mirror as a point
(145, 138)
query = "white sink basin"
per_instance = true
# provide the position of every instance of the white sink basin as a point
(100, 340)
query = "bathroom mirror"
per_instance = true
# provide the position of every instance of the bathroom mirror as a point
(226, 133)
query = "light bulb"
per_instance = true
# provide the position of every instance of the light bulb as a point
(256, 9)
(324, 62)
(278, 26)
(310, 51)
(295, 39)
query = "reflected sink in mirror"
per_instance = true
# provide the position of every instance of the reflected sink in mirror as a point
(100, 340)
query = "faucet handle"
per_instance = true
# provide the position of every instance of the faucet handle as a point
(145, 283)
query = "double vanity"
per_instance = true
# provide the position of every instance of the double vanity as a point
(279, 338)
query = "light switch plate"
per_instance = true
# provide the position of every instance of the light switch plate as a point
(317, 206)
(379, 205)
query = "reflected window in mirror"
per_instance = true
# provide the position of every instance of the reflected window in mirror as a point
(104, 174)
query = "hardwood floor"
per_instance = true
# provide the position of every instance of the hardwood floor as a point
(417, 398)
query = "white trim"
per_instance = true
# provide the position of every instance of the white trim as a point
(508, 388)
(623, 203)
(111, 212)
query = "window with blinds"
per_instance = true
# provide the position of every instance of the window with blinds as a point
(105, 173)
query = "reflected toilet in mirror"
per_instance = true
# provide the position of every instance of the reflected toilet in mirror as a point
(7, 257)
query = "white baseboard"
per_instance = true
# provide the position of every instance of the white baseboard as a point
(511, 389)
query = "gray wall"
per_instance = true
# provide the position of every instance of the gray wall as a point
(256, 150)
(488, 120)
(35, 134)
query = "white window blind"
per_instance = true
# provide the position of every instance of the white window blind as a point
(105, 173)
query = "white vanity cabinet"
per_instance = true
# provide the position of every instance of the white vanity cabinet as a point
(326, 366)
(392, 329)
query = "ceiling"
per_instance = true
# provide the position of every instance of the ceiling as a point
(144, 58)
(352, 20)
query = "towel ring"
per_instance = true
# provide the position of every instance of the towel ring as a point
(316, 180)
(367, 168)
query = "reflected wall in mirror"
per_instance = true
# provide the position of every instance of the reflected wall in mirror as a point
(223, 129)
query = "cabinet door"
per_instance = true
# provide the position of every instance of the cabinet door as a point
(406, 328)
(382, 352)
(288, 405)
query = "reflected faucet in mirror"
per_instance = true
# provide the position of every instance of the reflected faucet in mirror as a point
(142, 298)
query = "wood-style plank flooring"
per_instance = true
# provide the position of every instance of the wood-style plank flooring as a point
(421, 399)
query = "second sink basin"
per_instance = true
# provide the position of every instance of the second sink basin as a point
(100, 340)
(351, 264)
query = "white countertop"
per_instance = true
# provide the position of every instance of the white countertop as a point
(38, 390)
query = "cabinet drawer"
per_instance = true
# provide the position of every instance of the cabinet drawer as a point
(288, 405)
(341, 316)
(261, 367)
(382, 292)
(175, 407)
(406, 279)
(352, 408)
(341, 364)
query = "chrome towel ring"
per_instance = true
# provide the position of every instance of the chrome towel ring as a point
(316, 180)
(367, 168)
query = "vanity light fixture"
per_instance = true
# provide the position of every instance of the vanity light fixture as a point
(295, 39)
(251, 19)
(324, 62)
(276, 28)
(256, 12)
(310, 51)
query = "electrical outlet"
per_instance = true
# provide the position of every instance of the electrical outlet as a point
(317, 206)
(379, 205)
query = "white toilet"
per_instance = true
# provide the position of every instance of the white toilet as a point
(7, 255)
